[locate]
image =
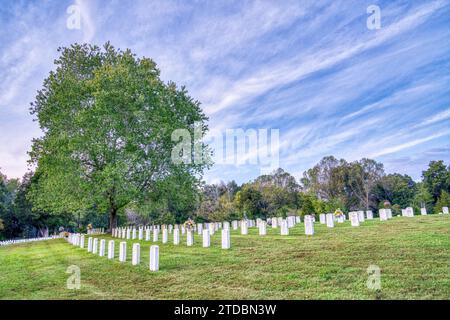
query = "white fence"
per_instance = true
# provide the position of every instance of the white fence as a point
(9, 242)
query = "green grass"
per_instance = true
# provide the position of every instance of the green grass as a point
(413, 254)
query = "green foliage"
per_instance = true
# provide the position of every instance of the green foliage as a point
(307, 205)
(107, 120)
(423, 198)
(396, 188)
(443, 201)
(436, 178)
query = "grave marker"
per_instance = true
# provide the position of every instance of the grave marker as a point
(82, 241)
(309, 225)
(89, 248)
(136, 257)
(284, 230)
(95, 246)
(111, 249)
(190, 238)
(101, 252)
(244, 228)
(329, 217)
(206, 239)
(354, 219)
(226, 239)
(262, 228)
(154, 258)
(123, 251)
(322, 218)
(176, 236)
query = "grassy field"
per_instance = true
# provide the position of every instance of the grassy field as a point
(413, 254)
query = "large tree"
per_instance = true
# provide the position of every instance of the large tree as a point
(436, 178)
(108, 121)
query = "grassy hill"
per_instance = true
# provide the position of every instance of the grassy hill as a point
(413, 254)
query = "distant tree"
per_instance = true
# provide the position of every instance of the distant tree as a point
(307, 205)
(436, 178)
(398, 189)
(108, 121)
(443, 201)
(423, 198)
(362, 178)
(249, 202)
(327, 179)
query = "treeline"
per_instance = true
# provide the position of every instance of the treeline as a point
(329, 185)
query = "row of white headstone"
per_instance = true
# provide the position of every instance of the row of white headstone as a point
(355, 217)
(8, 242)
(409, 211)
(95, 246)
(96, 231)
(207, 232)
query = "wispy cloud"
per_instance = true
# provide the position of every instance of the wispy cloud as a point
(310, 69)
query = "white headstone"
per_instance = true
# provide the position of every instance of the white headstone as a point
(200, 228)
(95, 246)
(226, 239)
(101, 251)
(176, 236)
(322, 218)
(147, 234)
(274, 223)
(389, 213)
(165, 236)
(128, 233)
(89, 244)
(111, 249)
(190, 238)
(82, 241)
(206, 239)
(383, 214)
(329, 217)
(369, 215)
(136, 257)
(211, 228)
(141, 234)
(154, 258)
(284, 230)
(445, 210)
(123, 251)
(361, 216)
(309, 225)
(354, 219)
(244, 228)
(155, 235)
(423, 211)
(409, 212)
(262, 228)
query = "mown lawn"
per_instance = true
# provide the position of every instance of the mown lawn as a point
(413, 254)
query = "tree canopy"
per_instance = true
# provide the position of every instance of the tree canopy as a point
(107, 120)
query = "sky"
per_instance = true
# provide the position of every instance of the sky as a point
(317, 72)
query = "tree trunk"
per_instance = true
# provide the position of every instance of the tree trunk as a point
(112, 219)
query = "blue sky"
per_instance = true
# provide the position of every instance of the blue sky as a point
(311, 69)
